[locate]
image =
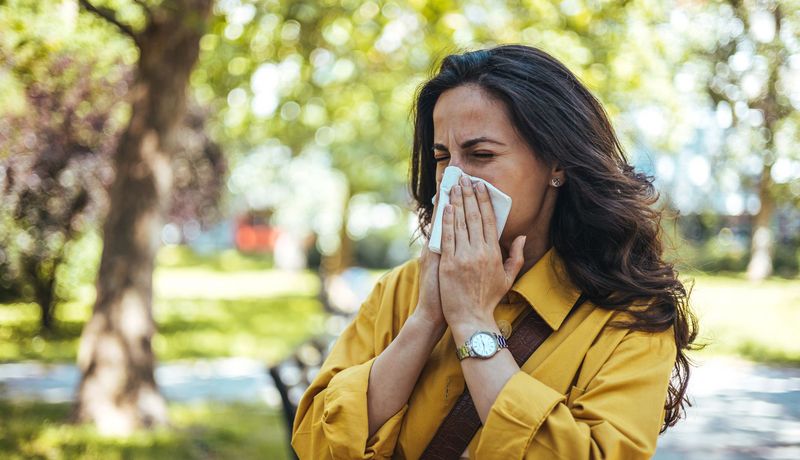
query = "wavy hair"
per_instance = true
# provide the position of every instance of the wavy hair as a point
(605, 226)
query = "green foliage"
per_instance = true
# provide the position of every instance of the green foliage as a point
(54, 159)
(200, 431)
(75, 276)
(710, 243)
(786, 261)
(56, 142)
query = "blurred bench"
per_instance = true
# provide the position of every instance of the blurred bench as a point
(341, 296)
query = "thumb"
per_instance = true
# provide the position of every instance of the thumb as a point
(513, 264)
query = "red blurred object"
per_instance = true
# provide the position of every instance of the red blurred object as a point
(253, 234)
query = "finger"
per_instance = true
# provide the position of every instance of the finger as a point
(513, 264)
(459, 221)
(472, 213)
(448, 233)
(487, 213)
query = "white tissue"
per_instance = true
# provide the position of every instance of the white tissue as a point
(500, 202)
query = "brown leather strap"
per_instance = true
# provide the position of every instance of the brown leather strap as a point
(460, 425)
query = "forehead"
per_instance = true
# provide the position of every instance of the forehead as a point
(468, 110)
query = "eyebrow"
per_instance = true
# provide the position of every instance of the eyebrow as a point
(469, 143)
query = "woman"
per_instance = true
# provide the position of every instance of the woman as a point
(580, 250)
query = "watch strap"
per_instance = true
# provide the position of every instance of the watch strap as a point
(465, 350)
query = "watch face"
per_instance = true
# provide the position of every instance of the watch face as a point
(483, 344)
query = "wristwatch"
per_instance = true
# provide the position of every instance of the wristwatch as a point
(482, 344)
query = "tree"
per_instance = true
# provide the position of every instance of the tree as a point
(55, 157)
(118, 391)
(65, 108)
(749, 54)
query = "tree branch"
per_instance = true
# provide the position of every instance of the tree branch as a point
(110, 16)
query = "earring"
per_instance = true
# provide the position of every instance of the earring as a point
(555, 182)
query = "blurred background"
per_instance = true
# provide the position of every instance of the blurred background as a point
(197, 195)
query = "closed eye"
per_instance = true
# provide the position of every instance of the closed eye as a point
(481, 155)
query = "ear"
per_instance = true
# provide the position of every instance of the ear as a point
(557, 176)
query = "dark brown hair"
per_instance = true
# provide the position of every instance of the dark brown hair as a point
(605, 226)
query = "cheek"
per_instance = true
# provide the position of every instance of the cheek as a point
(527, 197)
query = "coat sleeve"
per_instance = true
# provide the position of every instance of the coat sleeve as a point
(617, 416)
(331, 419)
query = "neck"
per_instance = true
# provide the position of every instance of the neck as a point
(538, 241)
(535, 248)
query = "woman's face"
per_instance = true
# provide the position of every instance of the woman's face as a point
(472, 130)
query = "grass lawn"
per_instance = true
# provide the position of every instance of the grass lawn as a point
(203, 309)
(200, 431)
(757, 321)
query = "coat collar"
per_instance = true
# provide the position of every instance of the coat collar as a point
(546, 287)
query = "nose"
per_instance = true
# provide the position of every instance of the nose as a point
(458, 161)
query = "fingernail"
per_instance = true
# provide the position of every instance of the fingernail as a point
(464, 181)
(481, 187)
(457, 189)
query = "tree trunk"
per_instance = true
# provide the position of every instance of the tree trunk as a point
(43, 283)
(118, 391)
(761, 243)
(46, 298)
(762, 239)
(343, 258)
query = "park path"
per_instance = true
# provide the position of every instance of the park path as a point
(228, 379)
(741, 410)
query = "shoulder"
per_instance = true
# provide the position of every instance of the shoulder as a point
(402, 275)
(647, 345)
(635, 313)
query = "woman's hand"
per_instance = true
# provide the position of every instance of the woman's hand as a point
(472, 273)
(429, 306)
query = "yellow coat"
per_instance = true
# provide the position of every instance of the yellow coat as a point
(589, 391)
